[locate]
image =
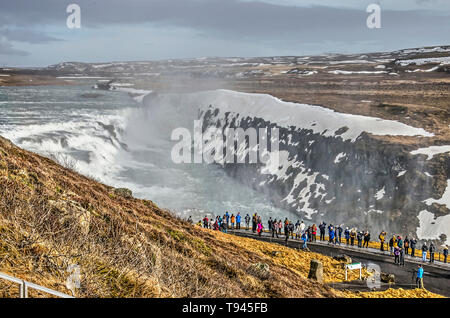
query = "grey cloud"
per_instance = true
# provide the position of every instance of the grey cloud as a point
(245, 24)
(28, 36)
(227, 18)
(6, 48)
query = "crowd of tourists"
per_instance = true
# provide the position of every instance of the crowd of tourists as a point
(398, 246)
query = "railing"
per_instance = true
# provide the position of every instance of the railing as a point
(438, 256)
(24, 286)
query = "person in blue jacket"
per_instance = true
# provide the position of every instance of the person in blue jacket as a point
(347, 235)
(331, 235)
(419, 279)
(238, 221)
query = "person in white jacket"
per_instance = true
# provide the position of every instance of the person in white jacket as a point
(302, 227)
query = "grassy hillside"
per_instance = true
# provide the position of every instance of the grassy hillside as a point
(52, 217)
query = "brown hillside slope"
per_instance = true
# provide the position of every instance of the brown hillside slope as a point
(51, 217)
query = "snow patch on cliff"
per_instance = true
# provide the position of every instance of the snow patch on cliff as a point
(444, 200)
(431, 151)
(318, 119)
(431, 228)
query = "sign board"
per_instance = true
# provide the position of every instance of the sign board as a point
(353, 266)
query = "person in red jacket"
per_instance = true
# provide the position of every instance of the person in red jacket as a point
(314, 233)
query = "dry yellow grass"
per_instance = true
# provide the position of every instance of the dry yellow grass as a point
(296, 260)
(394, 293)
(52, 217)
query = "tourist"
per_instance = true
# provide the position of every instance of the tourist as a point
(205, 222)
(247, 221)
(424, 252)
(419, 279)
(359, 237)
(322, 227)
(399, 241)
(286, 229)
(432, 250)
(331, 235)
(297, 231)
(352, 236)
(392, 244)
(259, 228)
(339, 233)
(402, 257)
(445, 253)
(382, 237)
(347, 235)
(305, 239)
(274, 229)
(291, 229)
(303, 226)
(313, 231)
(406, 245)
(396, 255)
(413, 243)
(254, 220)
(311, 237)
(238, 221)
(233, 221)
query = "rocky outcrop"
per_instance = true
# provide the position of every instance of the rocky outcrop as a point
(367, 183)
(343, 258)
(316, 271)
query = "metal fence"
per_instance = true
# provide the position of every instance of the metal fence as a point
(24, 286)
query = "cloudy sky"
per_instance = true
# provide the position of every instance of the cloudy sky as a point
(34, 32)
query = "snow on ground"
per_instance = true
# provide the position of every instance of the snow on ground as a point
(432, 228)
(375, 211)
(442, 60)
(431, 151)
(420, 70)
(305, 194)
(339, 157)
(277, 164)
(351, 62)
(401, 173)
(445, 199)
(380, 194)
(81, 77)
(338, 72)
(426, 50)
(319, 120)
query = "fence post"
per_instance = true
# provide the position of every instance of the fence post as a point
(21, 290)
(24, 289)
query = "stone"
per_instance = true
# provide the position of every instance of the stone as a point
(275, 253)
(387, 278)
(316, 271)
(343, 258)
(124, 192)
(260, 270)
